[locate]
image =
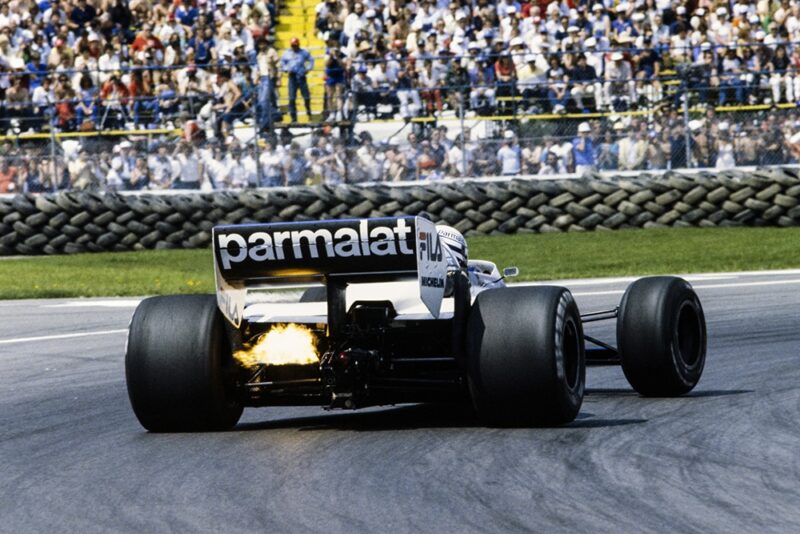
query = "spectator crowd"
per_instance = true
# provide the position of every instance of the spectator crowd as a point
(557, 56)
(109, 63)
(207, 65)
(620, 145)
(106, 64)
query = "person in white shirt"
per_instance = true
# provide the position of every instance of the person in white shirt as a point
(430, 81)
(512, 22)
(373, 26)
(226, 42)
(244, 36)
(354, 21)
(519, 52)
(108, 63)
(8, 17)
(552, 165)
(162, 169)
(455, 19)
(506, 8)
(553, 23)
(41, 99)
(86, 62)
(371, 162)
(235, 174)
(632, 150)
(726, 158)
(509, 156)
(213, 159)
(406, 90)
(426, 18)
(271, 161)
(83, 172)
(191, 169)
(250, 168)
(595, 60)
(461, 159)
(680, 46)
(384, 85)
(660, 30)
(123, 161)
(619, 80)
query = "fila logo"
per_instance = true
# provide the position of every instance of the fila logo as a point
(228, 306)
(430, 247)
(344, 242)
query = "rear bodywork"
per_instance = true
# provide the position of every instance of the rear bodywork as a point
(388, 326)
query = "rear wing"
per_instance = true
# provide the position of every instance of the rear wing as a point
(338, 251)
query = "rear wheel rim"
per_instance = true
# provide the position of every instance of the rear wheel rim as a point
(688, 335)
(572, 354)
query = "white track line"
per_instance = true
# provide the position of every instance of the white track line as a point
(622, 280)
(598, 293)
(128, 303)
(698, 286)
(771, 272)
(691, 277)
(749, 284)
(61, 336)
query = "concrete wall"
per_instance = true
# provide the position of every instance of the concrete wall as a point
(80, 222)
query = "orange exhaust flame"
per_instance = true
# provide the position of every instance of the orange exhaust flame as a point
(281, 345)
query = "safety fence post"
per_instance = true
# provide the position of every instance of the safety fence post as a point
(256, 126)
(687, 135)
(463, 136)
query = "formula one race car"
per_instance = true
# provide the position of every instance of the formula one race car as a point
(383, 311)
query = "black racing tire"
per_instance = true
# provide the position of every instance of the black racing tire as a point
(175, 365)
(315, 294)
(526, 362)
(661, 335)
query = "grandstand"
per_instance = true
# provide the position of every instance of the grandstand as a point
(115, 95)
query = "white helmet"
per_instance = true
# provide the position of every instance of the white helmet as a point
(455, 243)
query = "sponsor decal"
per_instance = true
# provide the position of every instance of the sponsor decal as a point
(334, 240)
(431, 266)
(230, 298)
(386, 247)
(428, 281)
(430, 246)
(229, 307)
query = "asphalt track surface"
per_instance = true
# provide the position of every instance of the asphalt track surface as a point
(725, 458)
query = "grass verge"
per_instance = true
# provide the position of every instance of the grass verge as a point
(539, 257)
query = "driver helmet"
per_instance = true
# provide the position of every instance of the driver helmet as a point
(455, 243)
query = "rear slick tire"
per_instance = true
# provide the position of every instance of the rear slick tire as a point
(525, 356)
(661, 335)
(175, 365)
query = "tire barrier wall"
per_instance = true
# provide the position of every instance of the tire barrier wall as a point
(79, 222)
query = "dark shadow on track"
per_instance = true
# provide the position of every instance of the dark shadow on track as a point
(588, 420)
(719, 392)
(396, 418)
(624, 392)
(407, 418)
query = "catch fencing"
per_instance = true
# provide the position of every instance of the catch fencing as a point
(678, 119)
